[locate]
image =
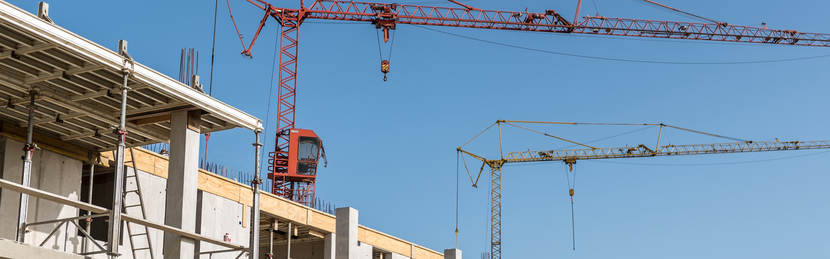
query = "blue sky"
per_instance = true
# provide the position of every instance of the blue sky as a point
(391, 145)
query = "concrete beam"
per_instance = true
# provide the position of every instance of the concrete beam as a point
(180, 205)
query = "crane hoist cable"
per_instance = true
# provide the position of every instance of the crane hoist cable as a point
(571, 178)
(457, 195)
(384, 62)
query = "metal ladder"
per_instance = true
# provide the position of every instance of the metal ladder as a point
(140, 204)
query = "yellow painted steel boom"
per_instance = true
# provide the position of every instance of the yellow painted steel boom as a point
(570, 156)
(667, 150)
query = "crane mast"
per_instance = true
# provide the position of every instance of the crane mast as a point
(386, 17)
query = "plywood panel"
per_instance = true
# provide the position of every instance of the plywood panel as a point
(383, 241)
(423, 253)
(323, 221)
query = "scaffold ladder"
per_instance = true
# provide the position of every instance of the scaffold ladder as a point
(137, 191)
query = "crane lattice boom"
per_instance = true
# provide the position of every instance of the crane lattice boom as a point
(386, 15)
(667, 150)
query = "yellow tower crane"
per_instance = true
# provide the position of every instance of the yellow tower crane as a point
(587, 152)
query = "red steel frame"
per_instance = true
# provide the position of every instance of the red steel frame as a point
(386, 16)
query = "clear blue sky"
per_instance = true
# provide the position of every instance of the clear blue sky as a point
(391, 145)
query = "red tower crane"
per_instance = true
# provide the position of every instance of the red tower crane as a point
(386, 16)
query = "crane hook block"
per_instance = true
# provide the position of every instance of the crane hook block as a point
(571, 192)
(384, 68)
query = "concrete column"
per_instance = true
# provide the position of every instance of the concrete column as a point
(328, 246)
(454, 253)
(180, 205)
(346, 233)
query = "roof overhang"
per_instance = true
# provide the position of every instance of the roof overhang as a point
(79, 82)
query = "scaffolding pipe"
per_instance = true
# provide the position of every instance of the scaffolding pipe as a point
(12, 186)
(254, 242)
(271, 239)
(92, 162)
(28, 151)
(114, 233)
(288, 238)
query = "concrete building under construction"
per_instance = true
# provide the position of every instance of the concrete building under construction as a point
(76, 111)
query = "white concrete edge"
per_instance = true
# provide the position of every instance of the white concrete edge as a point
(13, 15)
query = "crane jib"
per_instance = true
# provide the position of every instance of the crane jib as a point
(668, 150)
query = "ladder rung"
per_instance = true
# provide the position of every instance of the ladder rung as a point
(142, 248)
(139, 234)
(130, 206)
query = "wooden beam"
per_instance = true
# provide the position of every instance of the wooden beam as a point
(150, 120)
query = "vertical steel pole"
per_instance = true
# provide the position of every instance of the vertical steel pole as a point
(271, 240)
(576, 16)
(28, 151)
(114, 233)
(288, 237)
(254, 242)
(92, 162)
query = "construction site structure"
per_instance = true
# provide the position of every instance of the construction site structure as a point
(78, 113)
(570, 157)
(386, 17)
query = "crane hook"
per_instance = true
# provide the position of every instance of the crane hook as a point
(384, 68)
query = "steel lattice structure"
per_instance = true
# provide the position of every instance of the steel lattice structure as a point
(570, 156)
(386, 16)
(667, 150)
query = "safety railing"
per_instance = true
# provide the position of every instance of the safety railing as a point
(65, 222)
(102, 212)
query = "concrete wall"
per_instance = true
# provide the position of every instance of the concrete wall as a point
(220, 216)
(364, 251)
(50, 172)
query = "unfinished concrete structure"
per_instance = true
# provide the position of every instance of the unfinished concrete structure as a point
(74, 110)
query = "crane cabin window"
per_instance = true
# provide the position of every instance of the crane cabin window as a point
(307, 155)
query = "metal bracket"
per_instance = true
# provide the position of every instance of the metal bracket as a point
(122, 50)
